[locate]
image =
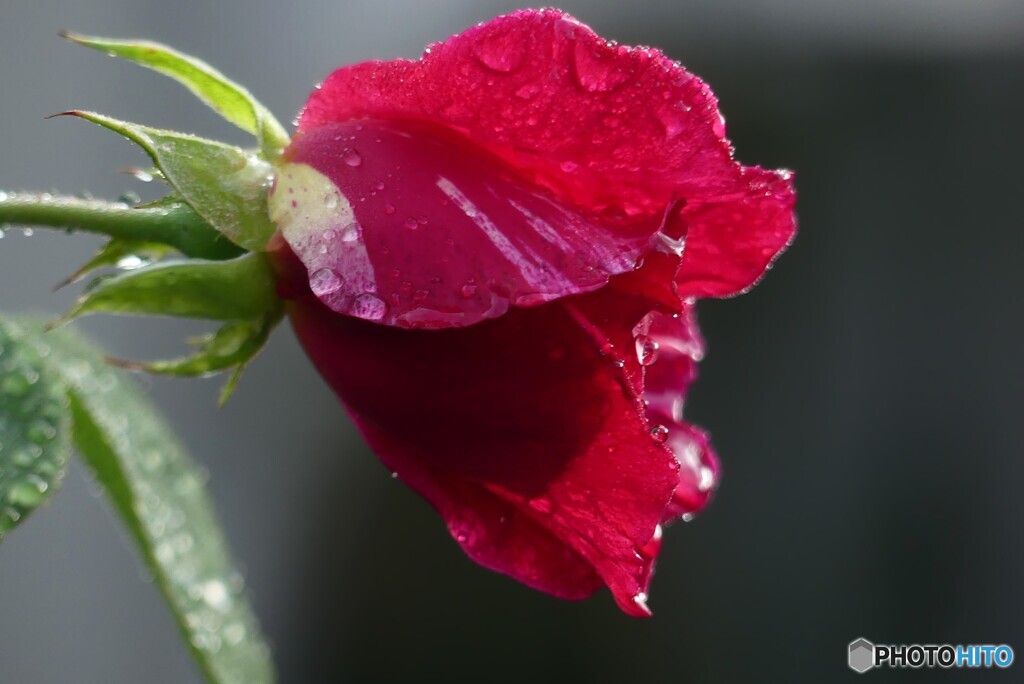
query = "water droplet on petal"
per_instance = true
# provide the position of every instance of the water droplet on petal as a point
(502, 52)
(325, 282)
(646, 350)
(598, 70)
(411, 224)
(707, 479)
(351, 232)
(528, 91)
(659, 433)
(389, 209)
(369, 307)
(351, 157)
(468, 290)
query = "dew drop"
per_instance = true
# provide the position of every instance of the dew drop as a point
(528, 91)
(25, 494)
(597, 70)
(131, 262)
(215, 594)
(468, 291)
(568, 166)
(659, 433)
(389, 210)
(411, 224)
(234, 633)
(707, 479)
(501, 52)
(325, 282)
(369, 307)
(646, 350)
(420, 295)
(351, 157)
(351, 232)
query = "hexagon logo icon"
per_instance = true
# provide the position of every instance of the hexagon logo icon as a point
(862, 655)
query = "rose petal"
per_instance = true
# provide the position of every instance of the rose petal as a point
(608, 127)
(699, 470)
(676, 346)
(671, 370)
(434, 231)
(493, 532)
(525, 407)
(733, 239)
(611, 131)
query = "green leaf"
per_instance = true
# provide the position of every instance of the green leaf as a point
(124, 254)
(34, 427)
(238, 289)
(159, 493)
(224, 184)
(227, 98)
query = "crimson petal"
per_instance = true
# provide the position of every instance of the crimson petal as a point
(675, 348)
(528, 410)
(426, 230)
(732, 239)
(620, 138)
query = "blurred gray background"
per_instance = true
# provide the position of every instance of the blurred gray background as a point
(865, 399)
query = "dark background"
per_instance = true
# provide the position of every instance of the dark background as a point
(864, 399)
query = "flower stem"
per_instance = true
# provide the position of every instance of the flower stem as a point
(168, 222)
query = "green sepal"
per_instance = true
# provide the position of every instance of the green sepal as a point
(225, 185)
(234, 345)
(35, 434)
(227, 98)
(116, 253)
(242, 288)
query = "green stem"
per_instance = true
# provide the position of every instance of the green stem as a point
(168, 222)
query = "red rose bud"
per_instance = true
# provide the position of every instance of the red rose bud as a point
(492, 255)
